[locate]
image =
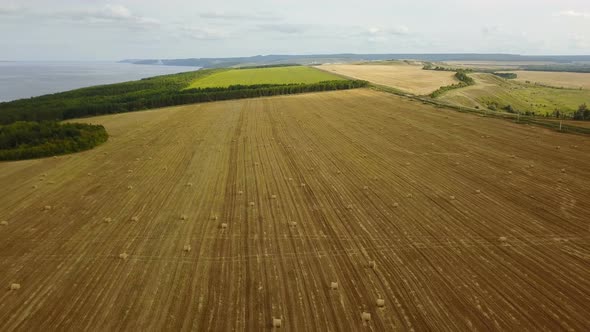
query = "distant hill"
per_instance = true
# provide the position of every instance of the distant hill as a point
(330, 58)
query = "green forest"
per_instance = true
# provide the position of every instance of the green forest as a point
(144, 94)
(24, 140)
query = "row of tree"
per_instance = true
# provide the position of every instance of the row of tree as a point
(24, 140)
(464, 81)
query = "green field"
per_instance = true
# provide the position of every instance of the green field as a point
(272, 75)
(491, 90)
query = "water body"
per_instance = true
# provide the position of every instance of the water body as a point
(28, 79)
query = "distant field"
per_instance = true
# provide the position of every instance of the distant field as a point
(408, 78)
(557, 79)
(275, 75)
(496, 64)
(225, 215)
(523, 97)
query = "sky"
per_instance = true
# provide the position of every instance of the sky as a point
(94, 30)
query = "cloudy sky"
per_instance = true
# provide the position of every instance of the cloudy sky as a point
(113, 30)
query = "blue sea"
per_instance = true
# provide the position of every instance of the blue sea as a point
(28, 79)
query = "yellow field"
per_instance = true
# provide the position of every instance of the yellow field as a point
(556, 79)
(223, 216)
(408, 78)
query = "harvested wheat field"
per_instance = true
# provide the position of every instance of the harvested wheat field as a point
(556, 79)
(339, 211)
(408, 78)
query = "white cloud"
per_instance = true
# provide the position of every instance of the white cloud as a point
(208, 33)
(573, 13)
(240, 16)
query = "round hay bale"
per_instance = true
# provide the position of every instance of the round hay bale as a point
(452, 198)
(365, 316)
(129, 187)
(380, 303)
(558, 147)
(372, 264)
(273, 196)
(338, 172)
(349, 207)
(277, 322)
(136, 159)
(366, 188)
(409, 195)
(510, 172)
(293, 224)
(240, 192)
(47, 207)
(134, 218)
(183, 217)
(214, 217)
(563, 170)
(14, 287)
(303, 184)
(34, 187)
(107, 220)
(3, 223)
(187, 247)
(334, 285)
(477, 191)
(224, 225)
(189, 184)
(395, 205)
(252, 203)
(408, 163)
(502, 239)
(123, 256)
(129, 171)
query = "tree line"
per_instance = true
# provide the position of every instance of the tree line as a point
(464, 81)
(24, 140)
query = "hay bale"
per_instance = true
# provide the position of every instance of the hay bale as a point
(502, 239)
(107, 220)
(241, 192)
(214, 217)
(123, 256)
(129, 187)
(224, 225)
(51, 182)
(251, 203)
(366, 188)
(453, 198)
(373, 264)
(3, 223)
(409, 195)
(349, 207)
(273, 196)
(183, 217)
(408, 163)
(365, 316)
(334, 285)
(563, 170)
(189, 184)
(338, 172)
(293, 224)
(134, 218)
(290, 179)
(34, 187)
(129, 171)
(380, 303)
(150, 158)
(477, 191)
(277, 322)
(165, 168)
(395, 205)
(136, 159)
(187, 247)
(510, 172)
(14, 287)
(558, 147)
(47, 207)
(303, 184)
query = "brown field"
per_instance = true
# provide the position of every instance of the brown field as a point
(408, 78)
(556, 79)
(471, 222)
(497, 64)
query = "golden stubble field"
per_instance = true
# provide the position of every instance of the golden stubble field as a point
(408, 78)
(556, 79)
(223, 216)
